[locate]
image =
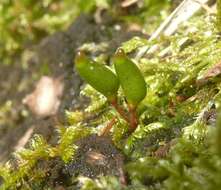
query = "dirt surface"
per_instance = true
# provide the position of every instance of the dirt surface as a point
(96, 156)
(53, 57)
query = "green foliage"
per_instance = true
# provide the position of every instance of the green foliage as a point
(26, 21)
(133, 44)
(189, 166)
(68, 136)
(4, 111)
(103, 183)
(151, 14)
(219, 15)
(131, 79)
(134, 88)
(175, 146)
(73, 117)
(176, 106)
(27, 159)
(98, 101)
(145, 139)
(93, 72)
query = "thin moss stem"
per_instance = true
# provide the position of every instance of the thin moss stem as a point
(109, 127)
(133, 118)
(120, 110)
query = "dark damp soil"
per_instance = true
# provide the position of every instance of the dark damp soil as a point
(96, 156)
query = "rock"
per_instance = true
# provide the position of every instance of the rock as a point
(44, 101)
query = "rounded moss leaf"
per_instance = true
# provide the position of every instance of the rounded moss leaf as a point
(97, 75)
(130, 77)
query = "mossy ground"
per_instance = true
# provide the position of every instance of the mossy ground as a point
(176, 145)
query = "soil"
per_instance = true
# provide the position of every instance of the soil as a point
(96, 156)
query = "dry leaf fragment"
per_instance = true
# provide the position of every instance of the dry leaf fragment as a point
(45, 99)
(96, 158)
(211, 73)
(128, 3)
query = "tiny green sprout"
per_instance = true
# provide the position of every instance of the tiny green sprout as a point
(131, 79)
(106, 82)
(98, 76)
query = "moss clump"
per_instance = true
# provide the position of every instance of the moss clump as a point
(173, 146)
